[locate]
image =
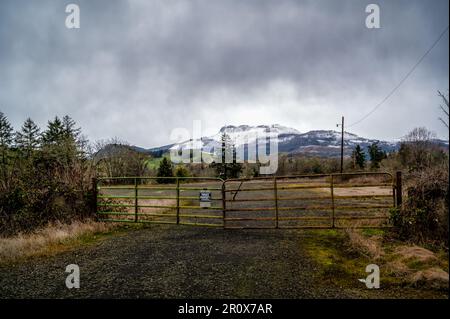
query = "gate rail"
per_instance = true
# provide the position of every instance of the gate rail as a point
(277, 208)
(177, 206)
(172, 207)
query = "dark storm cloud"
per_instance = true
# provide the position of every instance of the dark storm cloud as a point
(137, 69)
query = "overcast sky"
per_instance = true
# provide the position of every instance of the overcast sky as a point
(137, 69)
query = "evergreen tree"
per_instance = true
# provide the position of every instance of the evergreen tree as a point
(228, 151)
(28, 139)
(165, 170)
(55, 132)
(376, 155)
(359, 157)
(61, 140)
(6, 139)
(69, 128)
(6, 132)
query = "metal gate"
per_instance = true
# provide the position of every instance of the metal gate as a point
(301, 201)
(310, 201)
(163, 200)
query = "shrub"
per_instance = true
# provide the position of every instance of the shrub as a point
(424, 213)
(165, 170)
(181, 171)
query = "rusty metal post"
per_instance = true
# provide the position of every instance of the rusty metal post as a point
(224, 202)
(94, 195)
(332, 200)
(394, 194)
(398, 182)
(135, 200)
(178, 201)
(276, 200)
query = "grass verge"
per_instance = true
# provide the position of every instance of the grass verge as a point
(56, 238)
(342, 256)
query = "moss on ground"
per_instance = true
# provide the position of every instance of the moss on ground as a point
(341, 264)
(338, 264)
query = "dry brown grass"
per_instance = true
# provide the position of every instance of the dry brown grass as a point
(415, 252)
(47, 239)
(432, 278)
(368, 246)
(412, 265)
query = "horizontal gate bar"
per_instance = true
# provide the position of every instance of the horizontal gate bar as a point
(362, 196)
(200, 188)
(361, 207)
(158, 187)
(199, 207)
(279, 208)
(361, 185)
(304, 218)
(114, 187)
(271, 188)
(265, 199)
(248, 218)
(150, 197)
(171, 197)
(279, 198)
(362, 217)
(308, 187)
(201, 224)
(133, 221)
(114, 205)
(248, 209)
(337, 227)
(305, 208)
(156, 206)
(273, 218)
(139, 214)
(200, 216)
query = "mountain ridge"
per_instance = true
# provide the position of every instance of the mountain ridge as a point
(322, 143)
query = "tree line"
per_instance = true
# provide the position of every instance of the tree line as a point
(44, 175)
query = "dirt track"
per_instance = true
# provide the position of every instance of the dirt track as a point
(181, 262)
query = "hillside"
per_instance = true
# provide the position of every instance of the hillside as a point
(323, 143)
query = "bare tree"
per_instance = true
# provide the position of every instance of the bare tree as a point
(116, 158)
(444, 109)
(417, 150)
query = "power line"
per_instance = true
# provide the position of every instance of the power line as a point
(402, 80)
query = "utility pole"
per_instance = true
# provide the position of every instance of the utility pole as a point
(342, 144)
(224, 163)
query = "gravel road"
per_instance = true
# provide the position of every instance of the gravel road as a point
(178, 262)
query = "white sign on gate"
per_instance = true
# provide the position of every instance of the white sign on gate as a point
(205, 198)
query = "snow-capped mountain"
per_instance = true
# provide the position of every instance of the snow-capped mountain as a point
(319, 142)
(328, 143)
(240, 136)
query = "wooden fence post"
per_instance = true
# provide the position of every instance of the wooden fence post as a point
(332, 201)
(276, 200)
(178, 201)
(135, 200)
(398, 183)
(94, 194)
(224, 202)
